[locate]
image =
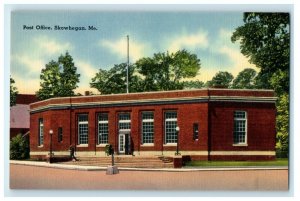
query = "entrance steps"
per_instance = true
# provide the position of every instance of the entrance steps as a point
(125, 161)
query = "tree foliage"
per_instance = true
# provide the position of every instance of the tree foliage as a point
(19, 147)
(222, 79)
(113, 81)
(193, 84)
(265, 40)
(282, 123)
(13, 92)
(164, 71)
(246, 79)
(58, 78)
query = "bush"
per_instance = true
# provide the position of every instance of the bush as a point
(19, 147)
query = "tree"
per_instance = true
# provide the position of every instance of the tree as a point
(165, 71)
(265, 40)
(59, 78)
(13, 92)
(19, 147)
(246, 79)
(282, 124)
(113, 81)
(222, 79)
(193, 84)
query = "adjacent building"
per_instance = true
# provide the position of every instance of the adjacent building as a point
(19, 114)
(204, 124)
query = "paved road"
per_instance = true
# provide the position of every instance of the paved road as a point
(30, 177)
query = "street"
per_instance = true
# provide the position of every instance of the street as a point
(31, 177)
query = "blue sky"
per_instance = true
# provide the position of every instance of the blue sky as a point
(206, 34)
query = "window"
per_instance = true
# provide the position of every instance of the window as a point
(60, 134)
(170, 127)
(41, 132)
(83, 129)
(124, 122)
(102, 128)
(147, 127)
(240, 127)
(196, 131)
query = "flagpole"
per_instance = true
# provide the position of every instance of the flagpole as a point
(127, 88)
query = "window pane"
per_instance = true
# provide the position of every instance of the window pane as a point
(239, 133)
(103, 128)
(170, 127)
(41, 132)
(124, 121)
(83, 129)
(147, 127)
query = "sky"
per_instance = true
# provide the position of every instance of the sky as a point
(206, 34)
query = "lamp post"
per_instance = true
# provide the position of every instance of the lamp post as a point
(177, 132)
(50, 133)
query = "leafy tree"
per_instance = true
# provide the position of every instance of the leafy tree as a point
(246, 79)
(282, 124)
(59, 78)
(19, 147)
(222, 79)
(193, 84)
(113, 81)
(164, 71)
(265, 40)
(13, 92)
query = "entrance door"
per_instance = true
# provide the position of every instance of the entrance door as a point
(124, 143)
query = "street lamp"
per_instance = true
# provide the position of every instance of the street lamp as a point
(50, 133)
(177, 132)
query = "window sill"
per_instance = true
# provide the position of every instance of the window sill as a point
(41, 146)
(170, 145)
(82, 145)
(101, 145)
(240, 145)
(147, 145)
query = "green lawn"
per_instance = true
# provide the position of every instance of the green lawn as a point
(277, 162)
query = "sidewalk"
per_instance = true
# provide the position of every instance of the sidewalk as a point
(184, 169)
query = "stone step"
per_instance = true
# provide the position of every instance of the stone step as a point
(125, 161)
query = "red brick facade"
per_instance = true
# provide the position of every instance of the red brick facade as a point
(211, 109)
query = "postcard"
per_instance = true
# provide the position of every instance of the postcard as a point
(176, 98)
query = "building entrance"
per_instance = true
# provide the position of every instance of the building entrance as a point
(124, 143)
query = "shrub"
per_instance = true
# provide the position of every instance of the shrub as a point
(19, 147)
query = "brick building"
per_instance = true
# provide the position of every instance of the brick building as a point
(211, 124)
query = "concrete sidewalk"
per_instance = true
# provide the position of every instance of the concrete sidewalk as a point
(184, 169)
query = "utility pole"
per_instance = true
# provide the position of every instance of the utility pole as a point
(127, 82)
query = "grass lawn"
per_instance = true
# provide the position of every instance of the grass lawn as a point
(277, 162)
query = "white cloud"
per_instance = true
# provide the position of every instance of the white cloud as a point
(188, 41)
(31, 65)
(51, 46)
(137, 49)
(87, 72)
(25, 85)
(239, 61)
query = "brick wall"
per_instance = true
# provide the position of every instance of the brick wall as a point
(215, 120)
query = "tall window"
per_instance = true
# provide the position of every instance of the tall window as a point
(60, 134)
(102, 128)
(147, 127)
(240, 127)
(41, 132)
(170, 127)
(83, 130)
(124, 121)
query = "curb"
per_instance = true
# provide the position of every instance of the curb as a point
(95, 168)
